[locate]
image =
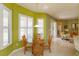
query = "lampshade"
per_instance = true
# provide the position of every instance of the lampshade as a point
(36, 26)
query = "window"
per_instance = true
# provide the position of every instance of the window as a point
(26, 27)
(6, 30)
(40, 29)
(23, 26)
(30, 29)
(6, 27)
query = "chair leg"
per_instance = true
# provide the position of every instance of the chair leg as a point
(25, 50)
(49, 49)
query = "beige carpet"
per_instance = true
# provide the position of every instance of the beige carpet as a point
(59, 48)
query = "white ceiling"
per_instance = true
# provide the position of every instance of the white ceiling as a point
(57, 10)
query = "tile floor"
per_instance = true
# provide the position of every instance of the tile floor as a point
(59, 48)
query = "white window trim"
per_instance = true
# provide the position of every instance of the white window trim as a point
(9, 28)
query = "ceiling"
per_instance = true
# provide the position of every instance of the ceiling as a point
(57, 10)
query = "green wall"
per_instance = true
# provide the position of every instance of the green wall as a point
(16, 9)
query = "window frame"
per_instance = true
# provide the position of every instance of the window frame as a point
(20, 15)
(9, 27)
(24, 27)
(41, 27)
(32, 28)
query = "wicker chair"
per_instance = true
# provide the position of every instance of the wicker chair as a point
(37, 47)
(48, 45)
(24, 43)
(49, 42)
